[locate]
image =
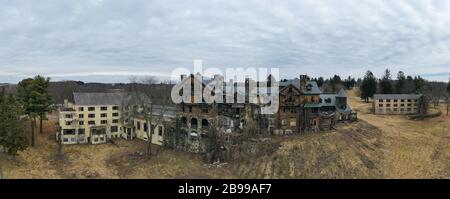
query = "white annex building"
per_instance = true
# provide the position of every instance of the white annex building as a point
(97, 117)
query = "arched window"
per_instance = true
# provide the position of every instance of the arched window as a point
(183, 121)
(194, 123)
(205, 123)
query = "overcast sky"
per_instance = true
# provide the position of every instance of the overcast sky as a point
(109, 40)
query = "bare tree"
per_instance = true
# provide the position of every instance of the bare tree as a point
(59, 154)
(142, 101)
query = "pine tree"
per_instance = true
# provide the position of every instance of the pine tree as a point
(44, 98)
(368, 86)
(385, 83)
(401, 80)
(29, 99)
(448, 86)
(419, 84)
(12, 134)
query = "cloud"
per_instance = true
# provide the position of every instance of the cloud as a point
(113, 37)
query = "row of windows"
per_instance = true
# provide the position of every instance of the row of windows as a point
(138, 127)
(114, 129)
(396, 100)
(396, 110)
(102, 108)
(91, 122)
(292, 110)
(101, 115)
(292, 122)
(396, 105)
(101, 139)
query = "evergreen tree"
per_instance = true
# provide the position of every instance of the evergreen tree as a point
(385, 83)
(423, 105)
(368, 86)
(419, 84)
(44, 98)
(335, 82)
(320, 81)
(401, 80)
(409, 86)
(29, 98)
(12, 133)
(349, 82)
(448, 86)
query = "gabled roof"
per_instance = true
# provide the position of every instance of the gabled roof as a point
(98, 98)
(342, 93)
(296, 82)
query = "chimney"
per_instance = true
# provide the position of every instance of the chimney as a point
(303, 81)
(182, 77)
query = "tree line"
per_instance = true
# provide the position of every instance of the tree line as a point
(403, 84)
(335, 83)
(31, 101)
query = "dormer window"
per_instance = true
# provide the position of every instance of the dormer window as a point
(309, 87)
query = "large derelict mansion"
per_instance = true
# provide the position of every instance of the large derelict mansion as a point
(98, 117)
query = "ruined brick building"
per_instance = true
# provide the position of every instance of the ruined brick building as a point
(302, 108)
(197, 126)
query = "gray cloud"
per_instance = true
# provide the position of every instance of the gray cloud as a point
(72, 39)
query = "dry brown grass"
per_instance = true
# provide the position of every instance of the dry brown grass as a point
(413, 149)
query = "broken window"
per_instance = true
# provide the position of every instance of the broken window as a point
(205, 123)
(69, 131)
(183, 121)
(194, 123)
(160, 131)
(104, 108)
(81, 131)
(91, 108)
(114, 129)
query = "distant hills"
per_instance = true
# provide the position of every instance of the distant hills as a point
(63, 89)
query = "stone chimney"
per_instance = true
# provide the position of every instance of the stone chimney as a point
(182, 77)
(303, 81)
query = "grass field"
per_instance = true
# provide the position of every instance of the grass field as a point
(377, 146)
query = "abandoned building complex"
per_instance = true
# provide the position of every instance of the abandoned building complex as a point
(96, 117)
(396, 103)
